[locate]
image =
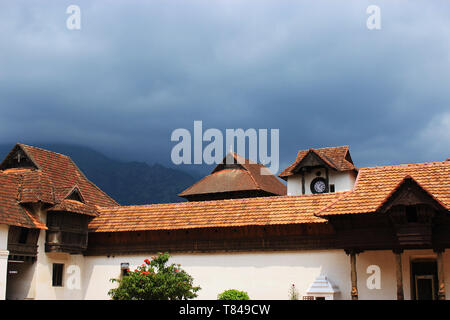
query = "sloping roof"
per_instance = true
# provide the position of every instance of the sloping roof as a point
(75, 207)
(48, 181)
(337, 158)
(375, 185)
(35, 186)
(63, 172)
(245, 176)
(11, 213)
(258, 211)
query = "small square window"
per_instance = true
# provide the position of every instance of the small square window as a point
(57, 275)
(332, 188)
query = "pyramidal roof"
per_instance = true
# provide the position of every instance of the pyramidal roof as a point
(235, 174)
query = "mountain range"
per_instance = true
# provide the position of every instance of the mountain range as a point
(129, 183)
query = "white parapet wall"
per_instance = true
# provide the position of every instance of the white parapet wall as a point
(263, 275)
(4, 253)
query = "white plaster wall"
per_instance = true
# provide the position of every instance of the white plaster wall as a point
(343, 181)
(34, 281)
(266, 275)
(4, 236)
(3, 259)
(385, 260)
(294, 185)
(72, 274)
(269, 275)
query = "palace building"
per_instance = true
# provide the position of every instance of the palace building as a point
(336, 231)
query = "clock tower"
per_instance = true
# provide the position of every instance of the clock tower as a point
(320, 171)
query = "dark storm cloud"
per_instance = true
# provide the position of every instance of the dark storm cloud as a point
(136, 71)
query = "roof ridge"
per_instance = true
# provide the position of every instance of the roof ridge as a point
(403, 181)
(42, 149)
(406, 165)
(335, 147)
(93, 184)
(227, 200)
(344, 195)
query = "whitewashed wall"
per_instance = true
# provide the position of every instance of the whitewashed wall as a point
(3, 259)
(264, 275)
(343, 181)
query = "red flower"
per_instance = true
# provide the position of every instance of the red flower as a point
(147, 261)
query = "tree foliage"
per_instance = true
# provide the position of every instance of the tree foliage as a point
(233, 294)
(155, 280)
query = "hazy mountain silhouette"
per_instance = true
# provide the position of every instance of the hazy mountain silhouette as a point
(126, 182)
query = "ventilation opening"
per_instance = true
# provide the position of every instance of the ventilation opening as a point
(411, 214)
(75, 195)
(23, 236)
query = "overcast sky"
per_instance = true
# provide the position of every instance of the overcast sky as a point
(312, 69)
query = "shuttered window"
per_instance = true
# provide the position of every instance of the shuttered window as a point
(57, 274)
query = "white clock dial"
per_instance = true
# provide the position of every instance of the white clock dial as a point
(319, 186)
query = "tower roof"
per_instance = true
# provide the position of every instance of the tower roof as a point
(336, 158)
(236, 174)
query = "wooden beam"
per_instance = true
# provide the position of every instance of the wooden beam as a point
(441, 274)
(399, 274)
(353, 274)
(303, 181)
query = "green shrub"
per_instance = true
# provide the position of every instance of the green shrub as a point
(154, 280)
(233, 294)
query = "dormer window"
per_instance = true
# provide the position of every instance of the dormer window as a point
(17, 158)
(75, 195)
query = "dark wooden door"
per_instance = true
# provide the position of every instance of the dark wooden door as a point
(424, 280)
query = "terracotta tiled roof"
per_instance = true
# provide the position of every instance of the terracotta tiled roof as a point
(337, 158)
(64, 174)
(259, 211)
(11, 213)
(246, 176)
(48, 181)
(75, 207)
(35, 186)
(375, 185)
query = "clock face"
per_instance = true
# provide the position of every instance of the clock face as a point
(318, 185)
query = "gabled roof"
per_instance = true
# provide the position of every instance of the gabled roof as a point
(374, 186)
(48, 178)
(260, 211)
(337, 158)
(63, 172)
(243, 175)
(403, 193)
